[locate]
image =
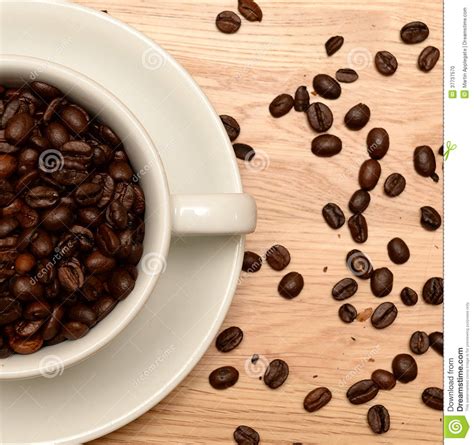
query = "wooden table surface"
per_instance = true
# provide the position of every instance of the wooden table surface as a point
(241, 74)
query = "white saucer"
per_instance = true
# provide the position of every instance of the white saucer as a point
(169, 336)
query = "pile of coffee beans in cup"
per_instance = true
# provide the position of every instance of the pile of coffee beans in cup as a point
(71, 219)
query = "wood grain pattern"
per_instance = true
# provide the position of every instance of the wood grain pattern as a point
(241, 74)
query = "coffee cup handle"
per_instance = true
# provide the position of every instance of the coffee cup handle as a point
(213, 214)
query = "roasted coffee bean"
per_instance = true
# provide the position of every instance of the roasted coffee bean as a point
(398, 251)
(320, 117)
(245, 435)
(301, 99)
(250, 10)
(378, 143)
(228, 22)
(252, 262)
(25, 289)
(223, 378)
(7, 194)
(278, 257)
(7, 226)
(404, 368)
(394, 185)
(27, 328)
(346, 75)
(357, 117)
(347, 313)
(96, 262)
(19, 128)
(326, 86)
(276, 373)
(378, 419)
(326, 145)
(384, 315)
(317, 399)
(27, 345)
(428, 58)
(117, 215)
(359, 201)
(24, 263)
(369, 174)
(244, 151)
(229, 339)
(430, 218)
(344, 289)
(386, 63)
(231, 126)
(90, 216)
(107, 240)
(10, 310)
(334, 44)
(384, 379)
(75, 118)
(53, 325)
(362, 392)
(103, 306)
(73, 330)
(45, 90)
(121, 284)
(8, 165)
(82, 313)
(419, 342)
(281, 105)
(424, 161)
(57, 218)
(41, 197)
(381, 282)
(358, 228)
(359, 264)
(37, 310)
(414, 32)
(433, 398)
(409, 296)
(433, 291)
(333, 215)
(57, 134)
(71, 275)
(291, 285)
(436, 342)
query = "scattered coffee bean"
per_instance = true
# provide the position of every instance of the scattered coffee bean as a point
(441, 150)
(291, 285)
(326, 86)
(437, 342)
(326, 145)
(344, 289)
(398, 251)
(245, 435)
(384, 379)
(333, 215)
(386, 63)
(231, 126)
(369, 174)
(414, 32)
(433, 398)
(250, 10)
(346, 75)
(394, 185)
(381, 282)
(378, 143)
(223, 378)
(357, 117)
(252, 262)
(244, 151)
(276, 374)
(384, 315)
(433, 291)
(362, 392)
(419, 342)
(359, 201)
(424, 161)
(229, 339)
(320, 117)
(379, 419)
(228, 22)
(358, 228)
(317, 399)
(301, 99)
(409, 296)
(278, 257)
(430, 218)
(404, 368)
(359, 264)
(334, 44)
(428, 58)
(347, 313)
(281, 105)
